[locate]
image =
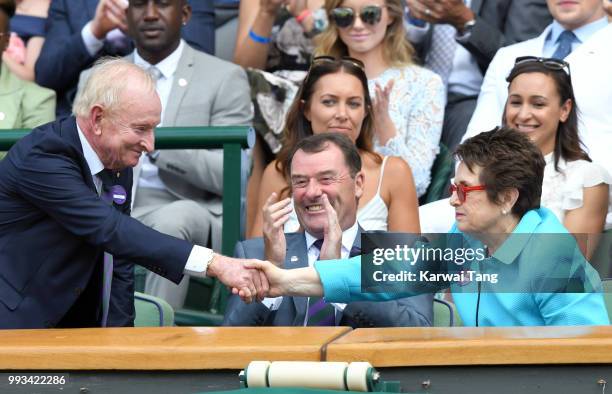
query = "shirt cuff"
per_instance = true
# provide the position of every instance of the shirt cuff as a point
(198, 261)
(272, 303)
(92, 44)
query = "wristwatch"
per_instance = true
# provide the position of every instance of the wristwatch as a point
(467, 27)
(208, 258)
(319, 22)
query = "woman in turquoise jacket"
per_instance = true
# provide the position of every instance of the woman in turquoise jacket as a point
(496, 196)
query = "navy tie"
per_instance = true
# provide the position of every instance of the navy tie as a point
(564, 47)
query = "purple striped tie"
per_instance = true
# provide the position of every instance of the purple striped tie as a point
(320, 313)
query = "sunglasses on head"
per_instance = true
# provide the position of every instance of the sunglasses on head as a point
(345, 16)
(550, 63)
(462, 190)
(344, 59)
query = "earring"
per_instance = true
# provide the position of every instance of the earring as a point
(504, 212)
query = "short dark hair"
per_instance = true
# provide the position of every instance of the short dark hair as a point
(8, 6)
(508, 160)
(567, 141)
(319, 142)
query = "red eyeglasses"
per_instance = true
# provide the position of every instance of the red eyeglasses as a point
(462, 191)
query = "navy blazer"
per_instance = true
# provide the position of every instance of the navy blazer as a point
(410, 311)
(64, 56)
(54, 229)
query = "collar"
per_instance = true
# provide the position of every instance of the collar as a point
(515, 243)
(348, 237)
(583, 33)
(167, 66)
(92, 159)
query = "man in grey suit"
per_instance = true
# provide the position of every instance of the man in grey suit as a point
(178, 192)
(326, 183)
(458, 38)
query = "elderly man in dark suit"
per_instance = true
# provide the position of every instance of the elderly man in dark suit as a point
(458, 39)
(79, 32)
(59, 230)
(178, 192)
(326, 182)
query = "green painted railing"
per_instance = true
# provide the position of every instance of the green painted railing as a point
(232, 139)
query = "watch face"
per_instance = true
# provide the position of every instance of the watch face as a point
(320, 19)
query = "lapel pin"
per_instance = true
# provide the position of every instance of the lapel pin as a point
(294, 259)
(182, 82)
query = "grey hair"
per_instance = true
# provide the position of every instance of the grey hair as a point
(107, 79)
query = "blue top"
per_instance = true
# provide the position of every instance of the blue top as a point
(529, 255)
(27, 26)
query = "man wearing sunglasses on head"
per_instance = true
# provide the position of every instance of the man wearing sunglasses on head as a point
(580, 34)
(458, 38)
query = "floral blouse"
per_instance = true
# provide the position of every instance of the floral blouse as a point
(416, 108)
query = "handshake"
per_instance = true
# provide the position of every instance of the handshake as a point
(253, 280)
(257, 279)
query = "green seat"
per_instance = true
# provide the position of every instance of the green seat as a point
(445, 314)
(152, 311)
(441, 171)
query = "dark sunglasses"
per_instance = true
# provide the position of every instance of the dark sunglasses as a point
(550, 63)
(462, 191)
(344, 16)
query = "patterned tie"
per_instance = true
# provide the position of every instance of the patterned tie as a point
(320, 313)
(565, 41)
(440, 56)
(107, 183)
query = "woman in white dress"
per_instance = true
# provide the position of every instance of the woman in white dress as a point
(541, 104)
(408, 99)
(334, 98)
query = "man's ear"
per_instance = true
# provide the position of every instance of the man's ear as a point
(359, 182)
(185, 13)
(96, 114)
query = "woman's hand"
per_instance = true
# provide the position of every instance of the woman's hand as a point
(383, 127)
(275, 215)
(332, 239)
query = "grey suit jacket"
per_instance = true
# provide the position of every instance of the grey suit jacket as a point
(410, 311)
(500, 23)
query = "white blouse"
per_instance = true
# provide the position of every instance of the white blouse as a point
(563, 191)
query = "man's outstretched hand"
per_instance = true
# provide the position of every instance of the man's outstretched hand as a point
(281, 282)
(242, 276)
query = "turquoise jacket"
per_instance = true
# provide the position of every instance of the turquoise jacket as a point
(529, 256)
